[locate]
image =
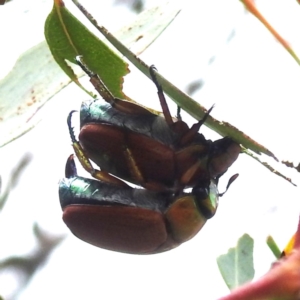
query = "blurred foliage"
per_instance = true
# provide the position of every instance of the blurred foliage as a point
(14, 179)
(236, 266)
(24, 267)
(2, 2)
(135, 5)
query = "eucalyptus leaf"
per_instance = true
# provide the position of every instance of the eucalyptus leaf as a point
(236, 266)
(36, 77)
(188, 104)
(67, 38)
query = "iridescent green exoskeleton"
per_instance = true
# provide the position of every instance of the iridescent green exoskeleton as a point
(133, 220)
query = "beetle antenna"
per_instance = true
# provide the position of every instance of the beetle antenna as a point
(161, 96)
(230, 181)
(71, 129)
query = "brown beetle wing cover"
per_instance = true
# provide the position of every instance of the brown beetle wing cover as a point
(112, 149)
(117, 228)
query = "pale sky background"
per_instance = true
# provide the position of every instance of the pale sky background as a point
(254, 84)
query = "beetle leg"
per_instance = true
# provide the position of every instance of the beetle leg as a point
(133, 167)
(179, 113)
(97, 82)
(191, 160)
(189, 136)
(188, 175)
(121, 105)
(208, 160)
(70, 169)
(161, 96)
(203, 163)
(138, 176)
(85, 162)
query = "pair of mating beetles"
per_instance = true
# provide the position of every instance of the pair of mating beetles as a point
(157, 152)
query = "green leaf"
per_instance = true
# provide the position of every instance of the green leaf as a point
(13, 180)
(236, 266)
(68, 38)
(273, 247)
(36, 77)
(184, 101)
(147, 27)
(180, 98)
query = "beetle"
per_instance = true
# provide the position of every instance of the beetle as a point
(154, 151)
(133, 220)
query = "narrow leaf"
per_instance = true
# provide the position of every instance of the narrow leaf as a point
(36, 77)
(147, 27)
(184, 101)
(180, 98)
(273, 247)
(290, 246)
(266, 165)
(68, 38)
(236, 266)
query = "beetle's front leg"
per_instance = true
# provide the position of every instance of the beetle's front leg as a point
(192, 164)
(119, 104)
(186, 135)
(161, 96)
(85, 162)
(190, 135)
